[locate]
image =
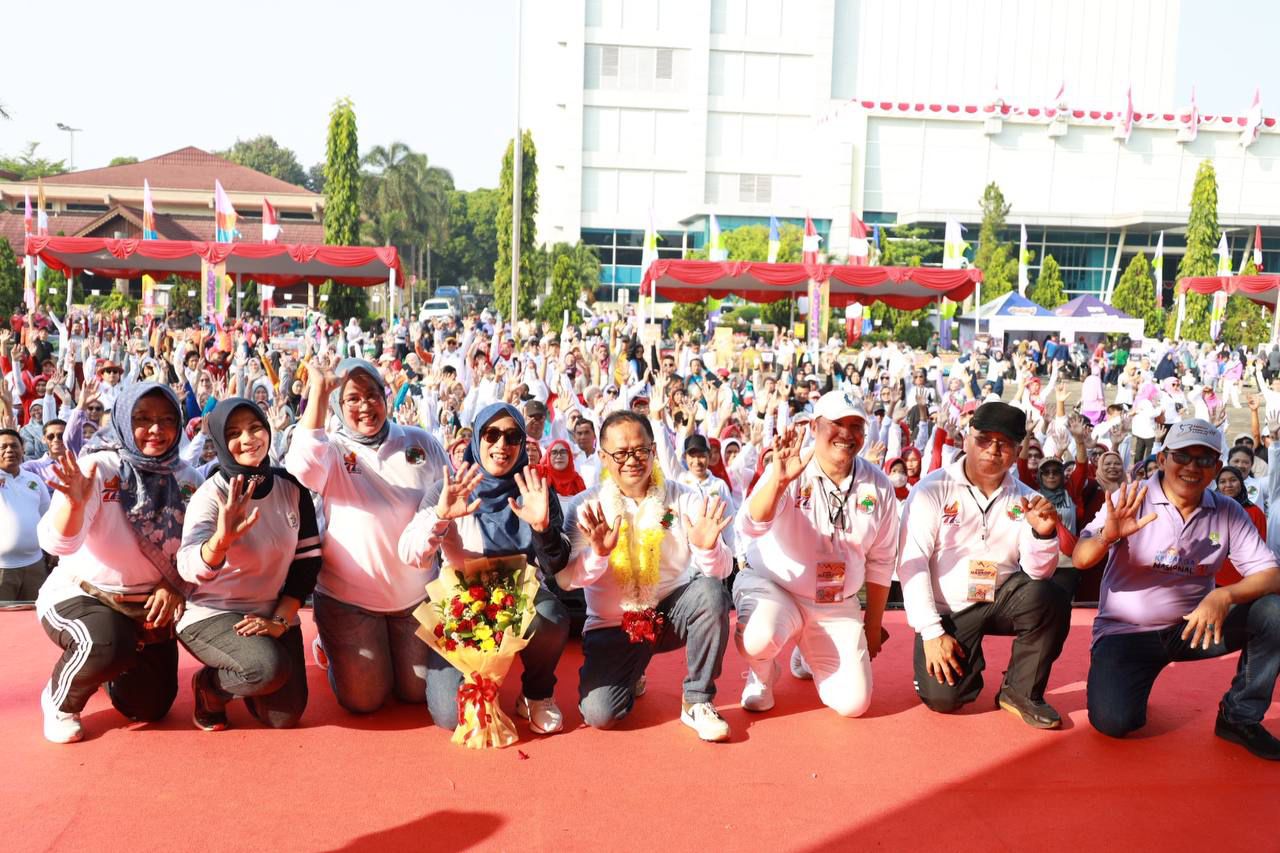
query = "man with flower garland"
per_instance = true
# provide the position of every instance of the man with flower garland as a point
(814, 528)
(650, 557)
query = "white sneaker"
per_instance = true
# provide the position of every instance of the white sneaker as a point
(704, 719)
(318, 652)
(59, 726)
(757, 693)
(642, 684)
(800, 667)
(543, 714)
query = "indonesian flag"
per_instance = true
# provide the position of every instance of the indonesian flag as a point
(1252, 120)
(811, 241)
(859, 246)
(1157, 271)
(1124, 119)
(270, 223)
(1257, 247)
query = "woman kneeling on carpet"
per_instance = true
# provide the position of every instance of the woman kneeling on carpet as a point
(498, 506)
(251, 547)
(111, 603)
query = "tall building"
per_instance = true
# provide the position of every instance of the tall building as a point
(897, 112)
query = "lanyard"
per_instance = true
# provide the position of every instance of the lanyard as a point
(984, 510)
(840, 509)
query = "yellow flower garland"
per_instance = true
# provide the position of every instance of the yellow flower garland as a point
(641, 582)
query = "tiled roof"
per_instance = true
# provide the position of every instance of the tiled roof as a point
(187, 168)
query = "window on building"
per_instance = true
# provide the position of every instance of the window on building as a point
(609, 55)
(665, 64)
(754, 189)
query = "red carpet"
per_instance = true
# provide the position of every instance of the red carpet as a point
(797, 778)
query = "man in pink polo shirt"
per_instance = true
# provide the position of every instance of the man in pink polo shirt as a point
(1164, 541)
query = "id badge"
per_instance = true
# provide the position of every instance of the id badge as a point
(982, 580)
(830, 588)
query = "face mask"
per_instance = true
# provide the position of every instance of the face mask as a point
(898, 479)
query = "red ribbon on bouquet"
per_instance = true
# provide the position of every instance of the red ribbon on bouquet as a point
(479, 691)
(643, 626)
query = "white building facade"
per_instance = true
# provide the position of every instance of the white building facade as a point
(897, 112)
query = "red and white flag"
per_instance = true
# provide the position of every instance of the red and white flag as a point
(1252, 120)
(1257, 247)
(811, 241)
(859, 245)
(270, 223)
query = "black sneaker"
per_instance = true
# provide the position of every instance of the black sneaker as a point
(1252, 736)
(204, 716)
(1038, 715)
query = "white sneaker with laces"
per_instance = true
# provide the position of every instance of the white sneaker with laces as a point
(704, 719)
(757, 693)
(318, 652)
(543, 714)
(59, 726)
(800, 667)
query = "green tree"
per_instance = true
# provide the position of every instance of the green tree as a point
(575, 270)
(342, 204)
(1135, 295)
(28, 166)
(997, 260)
(405, 199)
(905, 246)
(528, 208)
(54, 280)
(315, 178)
(751, 243)
(1199, 260)
(186, 307)
(10, 279)
(264, 154)
(1246, 322)
(689, 317)
(469, 254)
(1048, 289)
(122, 161)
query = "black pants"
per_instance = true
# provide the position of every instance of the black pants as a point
(100, 646)
(270, 673)
(1037, 613)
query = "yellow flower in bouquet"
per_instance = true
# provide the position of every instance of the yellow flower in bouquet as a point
(476, 619)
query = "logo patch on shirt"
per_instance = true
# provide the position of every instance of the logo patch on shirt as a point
(867, 502)
(111, 491)
(804, 497)
(292, 519)
(415, 455)
(187, 491)
(951, 513)
(350, 462)
(1014, 512)
(32, 485)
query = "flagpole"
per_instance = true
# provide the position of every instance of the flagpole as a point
(517, 163)
(238, 286)
(1275, 319)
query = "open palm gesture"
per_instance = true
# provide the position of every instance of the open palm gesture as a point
(534, 507)
(76, 485)
(786, 454)
(455, 493)
(1122, 513)
(602, 535)
(235, 518)
(704, 528)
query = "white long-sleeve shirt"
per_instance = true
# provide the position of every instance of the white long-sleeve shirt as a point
(943, 529)
(370, 496)
(788, 549)
(678, 562)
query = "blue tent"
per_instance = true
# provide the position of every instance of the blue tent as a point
(1013, 304)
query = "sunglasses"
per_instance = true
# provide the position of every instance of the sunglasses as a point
(510, 437)
(1181, 457)
(1001, 445)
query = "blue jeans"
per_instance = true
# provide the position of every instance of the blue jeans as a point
(371, 654)
(1124, 667)
(550, 629)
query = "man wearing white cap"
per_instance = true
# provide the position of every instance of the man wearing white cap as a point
(814, 529)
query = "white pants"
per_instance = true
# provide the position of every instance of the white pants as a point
(830, 636)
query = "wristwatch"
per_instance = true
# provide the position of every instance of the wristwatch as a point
(280, 620)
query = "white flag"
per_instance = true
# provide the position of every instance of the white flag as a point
(953, 246)
(1024, 264)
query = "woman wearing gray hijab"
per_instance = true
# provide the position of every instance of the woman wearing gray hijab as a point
(371, 474)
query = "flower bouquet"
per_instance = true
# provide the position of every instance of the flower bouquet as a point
(476, 620)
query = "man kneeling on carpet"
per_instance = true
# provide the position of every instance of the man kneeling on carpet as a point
(814, 527)
(979, 549)
(649, 555)
(1164, 541)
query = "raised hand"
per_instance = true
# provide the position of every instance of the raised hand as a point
(235, 518)
(787, 459)
(1040, 514)
(876, 452)
(704, 528)
(1255, 401)
(602, 535)
(408, 412)
(1122, 513)
(456, 492)
(534, 507)
(76, 485)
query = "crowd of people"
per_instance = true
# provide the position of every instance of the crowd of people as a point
(163, 483)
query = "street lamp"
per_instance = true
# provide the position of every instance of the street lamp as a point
(71, 132)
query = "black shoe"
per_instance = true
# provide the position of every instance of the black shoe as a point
(1038, 715)
(204, 715)
(1252, 736)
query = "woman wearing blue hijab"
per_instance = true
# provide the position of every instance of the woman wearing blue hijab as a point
(496, 506)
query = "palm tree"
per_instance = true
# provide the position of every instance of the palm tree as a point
(406, 200)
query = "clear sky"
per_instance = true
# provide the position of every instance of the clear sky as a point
(148, 76)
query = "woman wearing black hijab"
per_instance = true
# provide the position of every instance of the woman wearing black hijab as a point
(250, 546)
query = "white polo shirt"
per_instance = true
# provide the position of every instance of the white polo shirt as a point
(944, 526)
(23, 500)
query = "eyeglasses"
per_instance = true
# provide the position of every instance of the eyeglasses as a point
(510, 437)
(93, 408)
(1001, 445)
(639, 454)
(1181, 457)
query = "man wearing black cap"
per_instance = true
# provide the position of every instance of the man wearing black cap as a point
(979, 549)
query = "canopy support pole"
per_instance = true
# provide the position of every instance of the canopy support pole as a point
(1275, 320)
(239, 286)
(391, 296)
(977, 312)
(1182, 310)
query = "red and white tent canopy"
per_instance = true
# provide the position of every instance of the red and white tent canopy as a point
(1262, 289)
(897, 287)
(275, 264)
